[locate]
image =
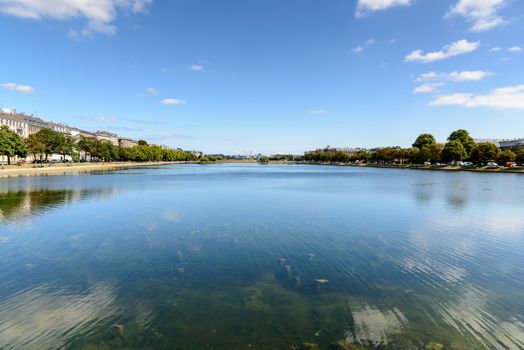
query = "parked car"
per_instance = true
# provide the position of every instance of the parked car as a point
(468, 164)
(492, 164)
(510, 164)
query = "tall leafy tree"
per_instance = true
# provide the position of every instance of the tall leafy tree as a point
(51, 141)
(34, 146)
(435, 152)
(506, 156)
(464, 138)
(520, 156)
(486, 152)
(424, 140)
(11, 144)
(87, 145)
(66, 145)
(453, 151)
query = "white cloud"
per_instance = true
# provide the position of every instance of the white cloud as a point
(172, 102)
(495, 49)
(427, 88)
(316, 111)
(366, 6)
(454, 49)
(475, 75)
(511, 97)
(515, 49)
(196, 68)
(483, 14)
(360, 48)
(99, 14)
(151, 91)
(26, 89)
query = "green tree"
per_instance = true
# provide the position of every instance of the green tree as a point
(419, 155)
(361, 156)
(520, 156)
(484, 153)
(87, 145)
(424, 140)
(51, 141)
(435, 152)
(506, 156)
(11, 144)
(463, 137)
(66, 145)
(453, 151)
(34, 146)
(142, 143)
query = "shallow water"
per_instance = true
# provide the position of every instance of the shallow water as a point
(262, 257)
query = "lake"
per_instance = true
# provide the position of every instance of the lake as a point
(262, 257)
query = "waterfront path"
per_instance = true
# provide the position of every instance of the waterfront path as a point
(61, 169)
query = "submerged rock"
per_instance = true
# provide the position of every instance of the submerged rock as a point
(309, 346)
(434, 346)
(119, 329)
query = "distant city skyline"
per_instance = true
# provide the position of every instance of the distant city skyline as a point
(268, 76)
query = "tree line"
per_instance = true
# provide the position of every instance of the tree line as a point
(459, 147)
(46, 142)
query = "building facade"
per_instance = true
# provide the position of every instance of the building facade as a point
(502, 143)
(127, 143)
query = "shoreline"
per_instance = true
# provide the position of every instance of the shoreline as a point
(483, 169)
(63, 169)
(68, 169)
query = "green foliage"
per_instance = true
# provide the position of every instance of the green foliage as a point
(66, 145)
(336, 157)
(51, 140)
(361, 156)
(142, 143)
(463, 137)
(87, 144)
(264, 159)
(285, 157)
(11, 144)
(387, 155)
(484, 153)
(204, 160)
(506, 156)
(424, 140)
(454, 151)
(435, 152)
(215, 157)
(419, 155)
(34, 145)
(520, 156)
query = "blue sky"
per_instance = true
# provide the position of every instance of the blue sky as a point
(270, 76)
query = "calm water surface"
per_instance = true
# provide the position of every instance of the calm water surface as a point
(262, 257)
